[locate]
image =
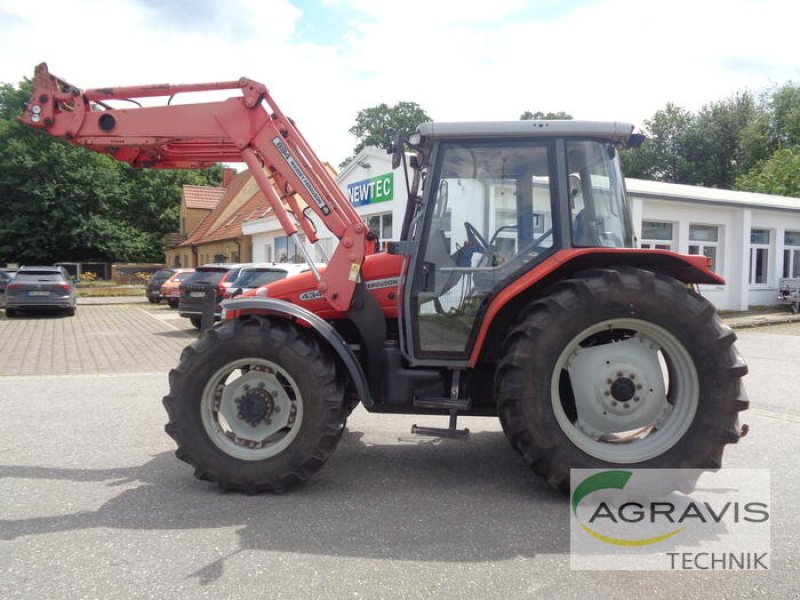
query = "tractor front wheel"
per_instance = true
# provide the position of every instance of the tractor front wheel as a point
(255, 405)
(620, 367)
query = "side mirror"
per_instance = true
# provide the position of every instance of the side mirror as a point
(396, 150)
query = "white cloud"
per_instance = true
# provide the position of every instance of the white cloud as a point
(468, 60)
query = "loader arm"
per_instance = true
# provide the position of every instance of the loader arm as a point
(249, 127)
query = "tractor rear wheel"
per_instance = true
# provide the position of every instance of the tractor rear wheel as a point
(620, 367)
(255, 405)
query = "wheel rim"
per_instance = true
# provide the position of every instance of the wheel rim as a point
(625, 390)
(252, 409)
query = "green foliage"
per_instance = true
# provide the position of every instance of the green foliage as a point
(376, 125)
(663, 156)
(780, 174)
(544, 116)
(64, 203)
(726, 144)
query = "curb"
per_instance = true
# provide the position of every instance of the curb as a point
(762, 320)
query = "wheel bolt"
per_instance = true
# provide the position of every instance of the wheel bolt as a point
(262, 385)
(606, 393)
(613, 403)
(276, 409)
(638, 386)
(632, 376)
(626, 405)
(636, 398)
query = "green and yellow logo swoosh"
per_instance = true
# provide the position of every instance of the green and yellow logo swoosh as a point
(615, 480)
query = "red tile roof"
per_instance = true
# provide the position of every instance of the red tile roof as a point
(202, 196)
(234, 207)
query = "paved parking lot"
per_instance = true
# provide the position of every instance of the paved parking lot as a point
(93, 503)
(100, 338)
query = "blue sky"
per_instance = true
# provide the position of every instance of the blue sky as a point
(324, 60)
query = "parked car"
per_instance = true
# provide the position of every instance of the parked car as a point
(41, 288)
(5, 278)
(262, 274)
(157, 279)
(171, 288)
(193, 290)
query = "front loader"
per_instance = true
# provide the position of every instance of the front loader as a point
(515, 291)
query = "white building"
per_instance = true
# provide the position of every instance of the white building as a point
(753, 240)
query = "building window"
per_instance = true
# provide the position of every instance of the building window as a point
(286, 250)
(657, 235)
(381, 225)
(219, 258)
(704, 240)
(759, 256)
(791, 254)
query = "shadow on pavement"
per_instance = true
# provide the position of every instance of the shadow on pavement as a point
(417, 499)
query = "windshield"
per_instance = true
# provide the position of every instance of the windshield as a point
(162, 275)
(598, 207)
(209, 277)
(39, 276)
(251, 279)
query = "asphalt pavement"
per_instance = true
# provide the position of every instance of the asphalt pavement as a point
(93, 503)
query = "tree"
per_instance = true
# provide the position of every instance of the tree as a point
(783, 107)
(780, 174)
(663, 156)
(64, 203)
(540, 116)
(726, 141)
(376, 125)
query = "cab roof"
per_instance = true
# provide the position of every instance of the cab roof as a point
(615, 131)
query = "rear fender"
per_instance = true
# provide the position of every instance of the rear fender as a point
(503, 308)
(237, 308)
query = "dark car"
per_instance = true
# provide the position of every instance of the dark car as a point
(5, 278)
(41, 288)
(193, 289)
(157, 279)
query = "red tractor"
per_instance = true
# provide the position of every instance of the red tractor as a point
(516, 291)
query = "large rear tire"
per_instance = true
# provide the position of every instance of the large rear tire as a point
(255, 405)
(620, 367)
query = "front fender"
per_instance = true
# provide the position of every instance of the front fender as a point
(240, 307)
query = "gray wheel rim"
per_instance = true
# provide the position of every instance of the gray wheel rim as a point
(252, 409)
(634, 398)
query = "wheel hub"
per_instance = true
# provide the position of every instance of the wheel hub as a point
(618, 387)
(623, 389)
(255, 406)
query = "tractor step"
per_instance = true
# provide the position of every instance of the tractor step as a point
(452, 432)
(445, 403)
(451, 404)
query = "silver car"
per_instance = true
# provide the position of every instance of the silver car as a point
(40, 288)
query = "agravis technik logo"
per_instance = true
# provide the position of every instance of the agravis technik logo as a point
(631, 519)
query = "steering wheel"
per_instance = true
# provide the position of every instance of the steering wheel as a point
(475, 239)
(609, 239)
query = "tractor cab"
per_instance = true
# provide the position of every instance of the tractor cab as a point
(498, 199)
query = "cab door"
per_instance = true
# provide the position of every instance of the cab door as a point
(488, 216)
